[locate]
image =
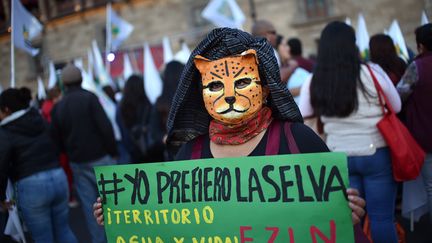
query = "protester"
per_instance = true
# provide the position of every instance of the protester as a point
(171, 76)
(296, 52)
(139, 123)
(346, 101)
(54, 96)
(383, 52)
(265, 29)
(83, 130)
(283, 50)
(216, 126)
(28, 158)
(415, 89)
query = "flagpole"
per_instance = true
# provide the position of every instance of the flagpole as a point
(108, 40)
(12, 84)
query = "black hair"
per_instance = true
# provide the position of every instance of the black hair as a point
(133, 99)
(279, 39)
(334, 83)
(295, 46)
(13, 99)
(383, 52)
(171, 77)
(424, 36)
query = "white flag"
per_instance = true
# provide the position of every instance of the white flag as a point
(184, 54)
(167, 51)
(52, 80)
(224, 13)
(120, 29)
(100, 72)
(25, 27)
(1, 88)
(152, 79)
(107, 104)
(127, 67)
(13, 226)
(362, 37)
(90, 63)
(396, 34)
(41, 94)
(424, 18)
(348, 21)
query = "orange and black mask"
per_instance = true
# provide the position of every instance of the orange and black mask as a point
(232, 89)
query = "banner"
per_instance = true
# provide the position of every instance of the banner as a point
(153, 85)
(224, 13)
(396, 34)
(285, 198)
(25, 28)
(424, 18)
(120, 30)
(41, 93)
(168, 55)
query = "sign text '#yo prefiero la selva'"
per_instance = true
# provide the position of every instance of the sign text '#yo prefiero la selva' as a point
(286, 198)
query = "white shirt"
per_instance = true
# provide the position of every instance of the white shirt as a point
(356, 134)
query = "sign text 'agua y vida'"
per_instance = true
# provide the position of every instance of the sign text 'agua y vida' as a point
(286, 198)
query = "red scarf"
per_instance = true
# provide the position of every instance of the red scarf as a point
(224, 134)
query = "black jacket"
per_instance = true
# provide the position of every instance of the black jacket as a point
(25, 148)
(81, 128)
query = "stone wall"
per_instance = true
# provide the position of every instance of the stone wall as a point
(70, 37)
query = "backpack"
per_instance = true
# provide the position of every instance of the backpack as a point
(146, 134)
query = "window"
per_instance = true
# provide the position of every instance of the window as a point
(316, 8)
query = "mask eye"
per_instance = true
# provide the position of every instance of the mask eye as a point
(215, 86)
(242, 83)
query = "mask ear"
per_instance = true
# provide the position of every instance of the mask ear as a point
(201, 63)
(250, 54)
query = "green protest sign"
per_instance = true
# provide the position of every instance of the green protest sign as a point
(286, 198)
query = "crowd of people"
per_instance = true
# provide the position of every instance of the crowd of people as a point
(48, 154)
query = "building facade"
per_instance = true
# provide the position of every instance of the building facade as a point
(71, 25)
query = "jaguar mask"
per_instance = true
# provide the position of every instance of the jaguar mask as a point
(231, 86)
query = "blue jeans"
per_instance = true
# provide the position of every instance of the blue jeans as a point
(372, 175)
(85, 183)
(42, 199)
(427, 178)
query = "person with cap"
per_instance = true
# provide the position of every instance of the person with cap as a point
(230, 102)
(29, 159)
(415, 89)
(82, 129)
(265, 29)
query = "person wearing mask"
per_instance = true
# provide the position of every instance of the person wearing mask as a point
(296, 52)
(204, 116)
(29, 158)
(415, 89)
(383, 52)
(82, 129)
(346, 100)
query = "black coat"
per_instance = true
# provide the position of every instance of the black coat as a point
(81, 127)
(25, 148)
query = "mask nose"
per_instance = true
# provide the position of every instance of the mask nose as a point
(230, 100)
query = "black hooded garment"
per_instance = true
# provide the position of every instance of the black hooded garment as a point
(25, 148)
(189, 119)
